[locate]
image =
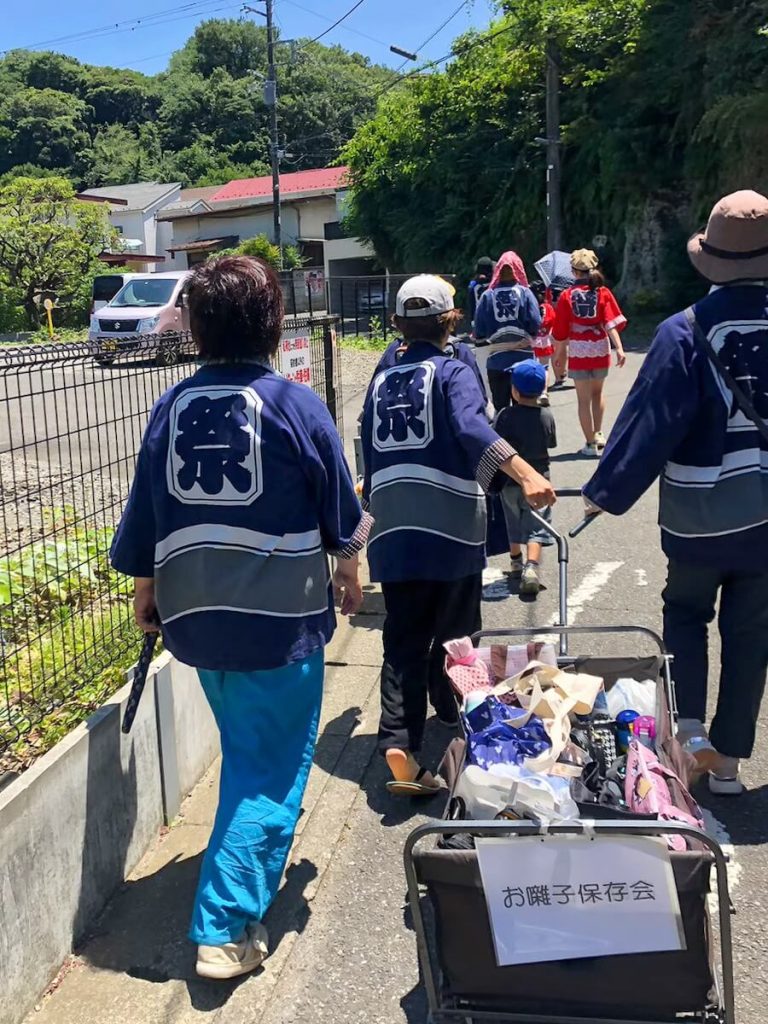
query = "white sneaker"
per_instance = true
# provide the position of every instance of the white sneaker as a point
(600, 439)
(234, 958)
(590, 451)
(725, 781)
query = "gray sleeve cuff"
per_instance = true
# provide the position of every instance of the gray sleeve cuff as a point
(494, 456)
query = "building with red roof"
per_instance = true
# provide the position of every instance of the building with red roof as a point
(202, 221)
(323, 180)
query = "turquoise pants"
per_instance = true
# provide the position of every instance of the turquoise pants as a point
(268, 723)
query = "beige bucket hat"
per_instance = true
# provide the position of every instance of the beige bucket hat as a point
(734, 246)
(584, 259)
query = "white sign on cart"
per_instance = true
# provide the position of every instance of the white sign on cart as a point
(564, 898)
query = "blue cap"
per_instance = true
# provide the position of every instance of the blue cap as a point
(529, 377)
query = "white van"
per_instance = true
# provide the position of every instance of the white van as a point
(147, 306)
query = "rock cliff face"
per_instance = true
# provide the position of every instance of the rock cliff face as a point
(653, 230)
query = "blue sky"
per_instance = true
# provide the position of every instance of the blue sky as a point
(146, 47)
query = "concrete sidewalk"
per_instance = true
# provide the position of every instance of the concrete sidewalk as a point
(137, 967)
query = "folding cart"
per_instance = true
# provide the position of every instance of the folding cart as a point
(451, 920)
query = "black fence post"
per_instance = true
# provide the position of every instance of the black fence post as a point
(329, 364)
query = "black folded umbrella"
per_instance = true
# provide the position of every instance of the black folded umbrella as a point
(139, 679)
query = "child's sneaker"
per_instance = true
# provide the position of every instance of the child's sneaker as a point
(590, 451)
(529, 579)
(599, 439)
(516, 566)
(725, 781)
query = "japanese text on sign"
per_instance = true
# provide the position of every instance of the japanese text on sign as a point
(588, 892)
(296, 358)
(565, 898)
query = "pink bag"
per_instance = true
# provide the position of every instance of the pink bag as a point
(647, 791)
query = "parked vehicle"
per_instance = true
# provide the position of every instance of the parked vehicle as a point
(105, 287)
(149, 311)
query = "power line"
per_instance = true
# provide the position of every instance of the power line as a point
(335, 24)
(192, 9)
(484, 40)
(347, 28)
(437, 32)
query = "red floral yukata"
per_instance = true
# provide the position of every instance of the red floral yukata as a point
(583, 318)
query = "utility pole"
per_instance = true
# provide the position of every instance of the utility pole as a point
(554, 190)
(270, 96)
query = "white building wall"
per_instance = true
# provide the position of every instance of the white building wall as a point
(164, 238)
(345, 249)
(129, 223)
(312, 216)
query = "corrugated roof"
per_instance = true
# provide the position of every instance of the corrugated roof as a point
(139, 196)
(324, 179)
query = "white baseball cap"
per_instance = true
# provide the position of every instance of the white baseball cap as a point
(436, 292)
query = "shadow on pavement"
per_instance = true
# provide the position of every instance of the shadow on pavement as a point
(143, 931)
(744, 817)
(573, 457)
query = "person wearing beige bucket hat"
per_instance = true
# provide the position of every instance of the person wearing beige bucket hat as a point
(696, 417)
(734, 244)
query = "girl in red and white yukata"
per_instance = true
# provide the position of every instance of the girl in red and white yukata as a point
(589, 320)
(543, 345)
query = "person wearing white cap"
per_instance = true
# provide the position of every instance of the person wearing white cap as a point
(696, 417)
(430, 457)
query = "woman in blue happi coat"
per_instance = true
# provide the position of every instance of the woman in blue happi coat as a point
(240, 494)
(508, 319)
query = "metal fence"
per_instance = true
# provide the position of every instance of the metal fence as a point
(363, 306)
(71, 421)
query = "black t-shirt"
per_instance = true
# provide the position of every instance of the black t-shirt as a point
(531, 431)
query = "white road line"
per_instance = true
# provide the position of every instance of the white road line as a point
(641, 577)
(588, 589)
(718, 831)
(495, 588)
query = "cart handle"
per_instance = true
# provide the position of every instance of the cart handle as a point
(534, 631)
(563, 556)
(593, 829)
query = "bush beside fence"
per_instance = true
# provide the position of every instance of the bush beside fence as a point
(71, 422)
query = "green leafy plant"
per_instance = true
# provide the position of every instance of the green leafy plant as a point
(67, 633)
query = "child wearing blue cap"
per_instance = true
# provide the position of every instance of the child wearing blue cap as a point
(530, 429)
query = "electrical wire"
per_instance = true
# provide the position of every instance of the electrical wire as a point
(437, 32)
(193, 9)
(334, 25)
(347, 28)
(483, 41)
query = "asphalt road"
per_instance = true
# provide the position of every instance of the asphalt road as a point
(78, 414)
(358, 961)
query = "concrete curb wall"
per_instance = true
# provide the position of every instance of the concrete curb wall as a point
(75, 824)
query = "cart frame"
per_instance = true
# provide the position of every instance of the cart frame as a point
(725, 1012)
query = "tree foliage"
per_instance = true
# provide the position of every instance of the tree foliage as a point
(261, 247)
(663, 102)
(49, 242)
(203, 121)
